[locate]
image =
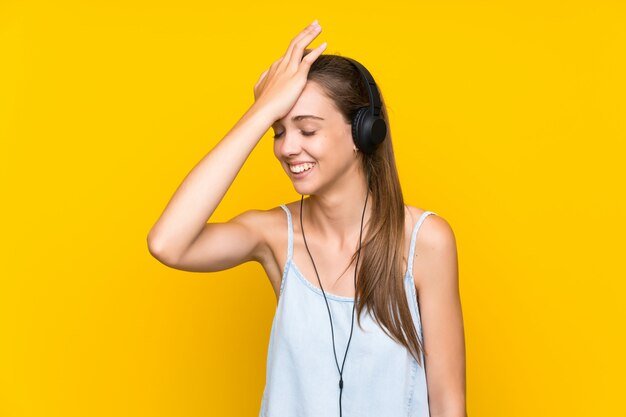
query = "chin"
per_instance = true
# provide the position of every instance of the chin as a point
(304, 189)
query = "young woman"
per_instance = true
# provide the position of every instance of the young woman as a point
(346, 263)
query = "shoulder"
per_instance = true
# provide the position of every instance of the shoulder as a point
(259, 219)
(435, 244)
(435, 229)
(267, 222)
(263, 223)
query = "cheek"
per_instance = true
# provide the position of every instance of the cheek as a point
(337, 151)
(277, 149)
(343, 144)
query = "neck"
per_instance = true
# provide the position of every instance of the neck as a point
(336, 215)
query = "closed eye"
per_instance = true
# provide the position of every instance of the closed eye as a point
(304, 133)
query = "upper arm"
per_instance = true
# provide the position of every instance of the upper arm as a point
(225, 245)
(437, 281)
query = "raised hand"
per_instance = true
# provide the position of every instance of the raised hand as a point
(281, 84)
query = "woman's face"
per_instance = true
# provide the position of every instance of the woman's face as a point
(314, 143)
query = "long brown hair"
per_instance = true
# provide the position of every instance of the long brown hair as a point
(380, 285)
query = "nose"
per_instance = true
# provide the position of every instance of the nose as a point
(289, 144)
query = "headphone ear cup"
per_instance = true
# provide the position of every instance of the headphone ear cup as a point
(358, 132)
(368, 131)
(377, 131)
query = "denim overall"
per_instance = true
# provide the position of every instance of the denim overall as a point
(381, 378)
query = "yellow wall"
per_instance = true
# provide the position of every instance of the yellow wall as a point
(508, 120)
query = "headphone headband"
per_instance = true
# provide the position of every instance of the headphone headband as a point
(372, 89)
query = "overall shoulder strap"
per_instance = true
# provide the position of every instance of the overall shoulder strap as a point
(416, 228)
(289, 233)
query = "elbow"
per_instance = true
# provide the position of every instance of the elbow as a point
(159, 251)
(450, 409)
(449, 404)
(459, 412)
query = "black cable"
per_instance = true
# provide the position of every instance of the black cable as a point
(325, 299)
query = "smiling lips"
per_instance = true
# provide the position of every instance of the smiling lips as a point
(296, 169)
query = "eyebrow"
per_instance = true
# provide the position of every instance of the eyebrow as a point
(301, 117)
(305, 116)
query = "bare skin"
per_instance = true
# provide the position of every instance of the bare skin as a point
(331, 264)
(336, 185)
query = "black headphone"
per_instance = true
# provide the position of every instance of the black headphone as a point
(369, 129)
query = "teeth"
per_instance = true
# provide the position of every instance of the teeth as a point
(299, 168)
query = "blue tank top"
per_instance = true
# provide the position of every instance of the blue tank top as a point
(381, 378)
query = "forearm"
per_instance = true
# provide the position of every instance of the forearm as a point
(204, 187)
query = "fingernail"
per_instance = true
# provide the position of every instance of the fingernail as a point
(315, 23)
